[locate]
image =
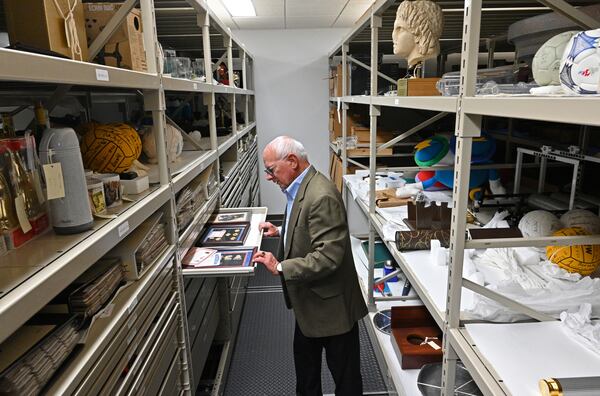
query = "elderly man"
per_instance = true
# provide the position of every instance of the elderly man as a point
(317, 271)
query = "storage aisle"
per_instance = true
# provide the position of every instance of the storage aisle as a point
(262, 362)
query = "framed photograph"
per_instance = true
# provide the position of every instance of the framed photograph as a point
(231, 217)
(225, 234)
(236, 257)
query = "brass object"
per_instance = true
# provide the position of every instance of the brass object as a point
(23, 185)
(8, 217)
(550, 387)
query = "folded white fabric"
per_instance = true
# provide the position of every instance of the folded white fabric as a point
(580, 323)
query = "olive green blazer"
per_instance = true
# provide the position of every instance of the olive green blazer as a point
(319, 276)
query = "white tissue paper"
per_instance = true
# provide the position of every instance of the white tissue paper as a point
(389, 231)
(579, 323)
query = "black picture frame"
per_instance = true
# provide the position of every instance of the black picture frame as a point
(225, 234)
(239, 216)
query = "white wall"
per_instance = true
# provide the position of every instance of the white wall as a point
(290, 71)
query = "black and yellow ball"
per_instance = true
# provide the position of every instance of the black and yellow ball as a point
(582, 259)
(110, 148)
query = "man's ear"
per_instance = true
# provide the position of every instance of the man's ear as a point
(295, 162)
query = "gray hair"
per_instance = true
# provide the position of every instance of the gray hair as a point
(285, 145)
(424, 19)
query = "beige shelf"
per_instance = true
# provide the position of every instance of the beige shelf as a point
(28, 67)
(37, 272)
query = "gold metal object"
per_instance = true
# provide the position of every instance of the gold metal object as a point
(8, 217)
(550, 387)
(23, 185)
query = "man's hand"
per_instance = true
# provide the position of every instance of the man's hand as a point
(269, 229)
(268, 260)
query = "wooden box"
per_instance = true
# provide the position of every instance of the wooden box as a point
(416, 338)
(433, 217)
(39, 24)
(418, 87)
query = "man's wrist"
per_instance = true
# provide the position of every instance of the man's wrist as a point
(279, 268)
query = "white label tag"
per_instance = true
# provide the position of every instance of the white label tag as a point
(433, 345)
(123, 228)
(396, 101)
(102, 75)
(55, 182)
(22, 214)
(195, 86)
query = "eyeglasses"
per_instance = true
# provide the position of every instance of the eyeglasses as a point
(269, 170)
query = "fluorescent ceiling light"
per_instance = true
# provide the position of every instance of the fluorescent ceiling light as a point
(240, 8)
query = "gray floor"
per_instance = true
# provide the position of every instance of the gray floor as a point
(262, 361)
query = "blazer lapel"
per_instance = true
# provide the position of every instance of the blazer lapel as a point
(296, 206)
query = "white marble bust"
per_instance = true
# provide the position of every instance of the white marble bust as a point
(417, 30)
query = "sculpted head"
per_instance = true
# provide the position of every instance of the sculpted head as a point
(417, 30)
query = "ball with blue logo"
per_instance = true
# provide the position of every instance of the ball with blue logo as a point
(580, 65)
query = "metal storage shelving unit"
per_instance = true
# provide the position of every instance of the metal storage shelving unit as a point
(468, 25)
(150, 315)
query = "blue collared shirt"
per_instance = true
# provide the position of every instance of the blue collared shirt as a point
(290, 193)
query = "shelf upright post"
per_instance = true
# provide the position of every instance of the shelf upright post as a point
(374, 112)
(203, 21)
(468, 126)
(344, 115)
(245, 86)
(228, 41)
(150, 36)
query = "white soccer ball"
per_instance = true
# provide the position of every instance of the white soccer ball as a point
(581, 218)
(546, 62)
(538, 223)
(580, 65)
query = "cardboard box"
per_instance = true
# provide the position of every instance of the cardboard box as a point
(39, 24)
(125, 49)
(351, 120)
(418, 86)
(336, 89)
(363, 135)
(335, 170)
(365, 151)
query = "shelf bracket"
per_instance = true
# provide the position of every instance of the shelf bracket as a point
(367, 67)
(361, 166)
(579, 17)
(509, 303)
(412, 131)
(110, 28)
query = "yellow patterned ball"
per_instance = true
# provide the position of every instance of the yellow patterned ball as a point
(583, 259)
(110, 148)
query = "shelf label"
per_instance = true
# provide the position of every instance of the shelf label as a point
(396, 101)
(102, 75)
(55, 182)
(123, 228)
(195, 86)
(22, 214)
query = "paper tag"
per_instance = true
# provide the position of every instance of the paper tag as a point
(433, 345)
(123, 228)
(55, 183)
(102, 75)
(195, 86)
(396, 101)
(22, 214)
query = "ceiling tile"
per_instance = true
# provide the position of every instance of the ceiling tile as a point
(268, 8)
(310, 22)
(308, 8)
(259, 22)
